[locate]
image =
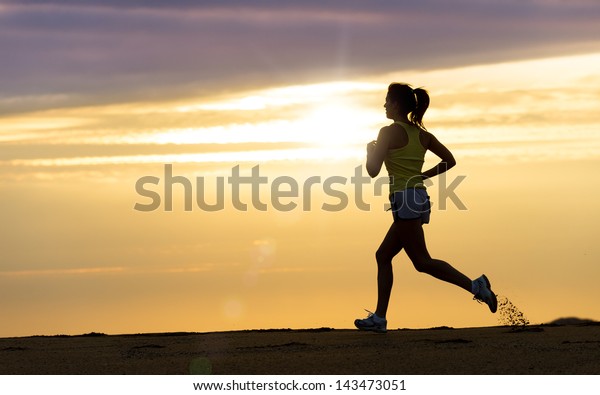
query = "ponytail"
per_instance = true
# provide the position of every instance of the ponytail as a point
(416, 115)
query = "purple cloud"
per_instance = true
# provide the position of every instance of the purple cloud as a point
(62, 53)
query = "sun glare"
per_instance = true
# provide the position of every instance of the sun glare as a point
(330, 119)
(337, 124)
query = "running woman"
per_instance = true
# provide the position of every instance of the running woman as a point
(402, 147)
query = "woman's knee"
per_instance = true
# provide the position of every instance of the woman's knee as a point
(422, 264)
(383, 257)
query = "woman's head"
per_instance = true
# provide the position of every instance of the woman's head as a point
(403, 100)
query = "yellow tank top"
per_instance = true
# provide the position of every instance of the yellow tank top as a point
(404, 165)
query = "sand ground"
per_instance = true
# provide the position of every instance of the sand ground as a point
(568, 349)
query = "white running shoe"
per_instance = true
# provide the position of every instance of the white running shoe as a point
(485, 293)
(370, 323)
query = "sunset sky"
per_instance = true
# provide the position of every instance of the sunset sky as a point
(96, 95)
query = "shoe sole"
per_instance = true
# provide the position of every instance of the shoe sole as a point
(494, 306)
(376, 330)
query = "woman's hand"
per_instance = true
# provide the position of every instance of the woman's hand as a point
(376, 151)
(371, 146)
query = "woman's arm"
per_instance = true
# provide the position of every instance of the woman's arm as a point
(447, 160)
(376, 151)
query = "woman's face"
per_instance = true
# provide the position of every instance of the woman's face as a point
(391, 108)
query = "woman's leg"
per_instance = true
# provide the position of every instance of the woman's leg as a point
(389, 248)
(411, 233)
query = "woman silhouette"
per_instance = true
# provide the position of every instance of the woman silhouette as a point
(402, 147)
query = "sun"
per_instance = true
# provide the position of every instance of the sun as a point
(335, 126)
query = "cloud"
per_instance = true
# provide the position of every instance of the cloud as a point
(106, 270)
(62, 272)
(69, 53)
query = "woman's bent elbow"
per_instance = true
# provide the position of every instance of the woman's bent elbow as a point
(372, 171)
(449, 162)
